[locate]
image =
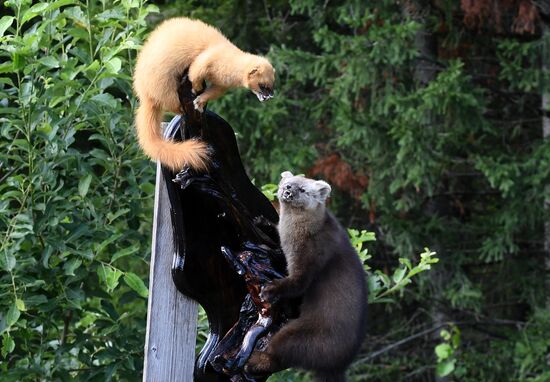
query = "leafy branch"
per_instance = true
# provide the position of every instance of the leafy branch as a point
(382, 285)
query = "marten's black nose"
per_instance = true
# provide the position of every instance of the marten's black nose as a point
(266, 90)
(287, 194)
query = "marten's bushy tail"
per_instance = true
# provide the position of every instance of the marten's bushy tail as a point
(192, 153)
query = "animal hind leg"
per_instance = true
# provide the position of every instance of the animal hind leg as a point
(303, 344)
(276, 356)
(262, 363)
(329, 376)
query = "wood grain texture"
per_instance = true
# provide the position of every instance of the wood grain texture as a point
(172, 317)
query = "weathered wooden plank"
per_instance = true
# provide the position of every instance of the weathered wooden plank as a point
(171, 317)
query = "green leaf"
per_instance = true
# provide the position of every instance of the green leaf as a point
(374, 283)
(125, 252)
(384, 279)
(426, 254)
(71, 265)
(136, 284)
(84, 185)
(43, 7)
(147, 188)
(46, 254)
(101, 246)
(75, 297)
(399, 274)
(7, 261)
(444, 333)
(113, 65)
(49, 62)
(109, 276)
(5, 68)
(5, 23)
(8, 344)
(12, 316)
(34, 11)
(455, 339)
(369, 236)
(114, 215)
(445, 368)
(270, 191)
(443, 351)
(36, 299)
(406, 262)
(111, 279)
(105, 99)
(60, 3)
(94, 66)
(20, 304)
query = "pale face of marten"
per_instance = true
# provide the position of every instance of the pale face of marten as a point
(300, 192)
(260, 79)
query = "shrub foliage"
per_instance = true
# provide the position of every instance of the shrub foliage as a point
(75, 193)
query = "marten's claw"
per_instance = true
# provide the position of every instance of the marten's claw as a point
(199, 105)
(185, 177)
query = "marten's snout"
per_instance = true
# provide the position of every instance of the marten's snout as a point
(287, 193)
(265, 93)
(266, 90)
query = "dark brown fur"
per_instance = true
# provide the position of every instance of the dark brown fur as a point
(325, 269)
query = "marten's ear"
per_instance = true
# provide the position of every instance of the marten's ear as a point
(323, 188)
(286, 174)
(252, 71)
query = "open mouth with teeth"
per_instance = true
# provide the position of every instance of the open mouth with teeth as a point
(264, 94)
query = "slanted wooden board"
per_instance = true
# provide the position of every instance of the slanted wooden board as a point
(171, 316)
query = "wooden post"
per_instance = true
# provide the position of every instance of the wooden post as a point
(171, 316)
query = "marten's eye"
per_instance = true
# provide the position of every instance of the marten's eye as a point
(301, 189)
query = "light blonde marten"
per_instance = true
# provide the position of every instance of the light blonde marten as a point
(174, 46)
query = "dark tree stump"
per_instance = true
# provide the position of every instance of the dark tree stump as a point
(226, 246)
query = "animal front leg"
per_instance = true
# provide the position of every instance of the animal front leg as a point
(288, 287)
(299, 278)
(197, 73)
(210, 93)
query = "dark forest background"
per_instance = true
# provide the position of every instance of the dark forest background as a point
(429, 118)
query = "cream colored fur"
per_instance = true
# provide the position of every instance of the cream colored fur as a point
(178, 44)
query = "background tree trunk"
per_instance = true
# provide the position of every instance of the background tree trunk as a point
(425, 71)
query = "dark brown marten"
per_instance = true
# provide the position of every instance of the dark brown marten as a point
(323, 268)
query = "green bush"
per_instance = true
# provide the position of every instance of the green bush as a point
(76, 194)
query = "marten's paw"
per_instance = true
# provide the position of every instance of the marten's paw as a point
(185, 177)
(199, 104)
(269, 293)
(259, 363)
